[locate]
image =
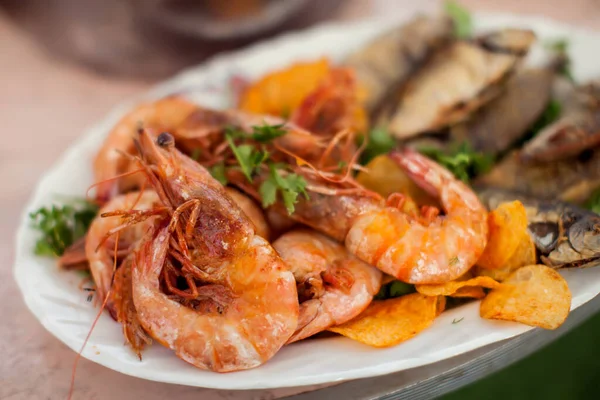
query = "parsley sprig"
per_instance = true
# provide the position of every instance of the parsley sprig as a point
(288, 185)
(464, 162)
(60, 226)
(266, 133)
(252, 157)
(560, 48)
(593, 203)
(248, 157)
(394, 289)
(380, 142)
(461, 18)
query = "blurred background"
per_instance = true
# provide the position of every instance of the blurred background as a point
(66, 63)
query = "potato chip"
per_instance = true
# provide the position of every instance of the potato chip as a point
(472, 292)
(384, 176)
(280, 92)
(389, 322)
(507, 226)
(534, 295)
(460, 288)
(524, 255)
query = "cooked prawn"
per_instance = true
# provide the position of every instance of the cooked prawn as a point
(333, 285)
(164, 114)
(415, 249)
(99, 251)
(252, 210)
(245, 306)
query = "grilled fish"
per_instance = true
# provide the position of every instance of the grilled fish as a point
(458, 80)
(571, 180)
(565, 235)
(577, 129)
(389, 59)
(504, 120)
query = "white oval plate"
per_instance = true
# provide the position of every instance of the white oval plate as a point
(53, 295)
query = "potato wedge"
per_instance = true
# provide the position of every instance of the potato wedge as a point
(507, 226)
(389, 322)
(280, 92)
(534, 295)
(385, 177)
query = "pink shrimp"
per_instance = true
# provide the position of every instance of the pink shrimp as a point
(333, 285)
(164, 114)
(252, 210)
(437, 252)
(244, 305)
(430, 249)
(99, 251)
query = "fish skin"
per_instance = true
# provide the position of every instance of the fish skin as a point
(576, 130)
(506, 119)
(457, 80)
(564, 234)
(572, 180)
(389, 59)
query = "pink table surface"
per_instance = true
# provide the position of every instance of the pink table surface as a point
(44, 105)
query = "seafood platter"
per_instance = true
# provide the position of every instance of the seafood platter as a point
(339, 203)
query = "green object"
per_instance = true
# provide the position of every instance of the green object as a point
(290, 186)
(380, 142)
(593, 203)
(60, 226)
(568, 368)
(550, 115)
(394, 289)
(461, 160)
(266, 133)
(196, 154)
(560, 47)
(247, 156)
(218, 172)
(461, 17)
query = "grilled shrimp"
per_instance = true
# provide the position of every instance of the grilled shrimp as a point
(245, 304)
(121, 300)
(333, 285)
(196, 128)
(100, 252)
(414, 252)
(415, 249)
(165, 114)
(252, 210)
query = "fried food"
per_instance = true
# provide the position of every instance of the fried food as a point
(534, 295)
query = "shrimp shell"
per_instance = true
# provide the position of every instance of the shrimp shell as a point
(248, 302)
(336, 285)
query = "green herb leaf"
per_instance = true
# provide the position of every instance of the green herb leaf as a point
(196, 154)
(248, 157)
(265, 133)
(289, 186)
(464, 162)
(456, 321)
(61, 226)
(550, 115)
(380, 142)
(559, 47)
(218, 172)
(268, 193)
(593, 203)
(461, 17)
(394, 289)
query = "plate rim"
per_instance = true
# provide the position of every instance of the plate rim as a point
(222, 59)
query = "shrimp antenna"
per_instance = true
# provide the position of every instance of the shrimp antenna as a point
(87, 192)
(102, 307)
